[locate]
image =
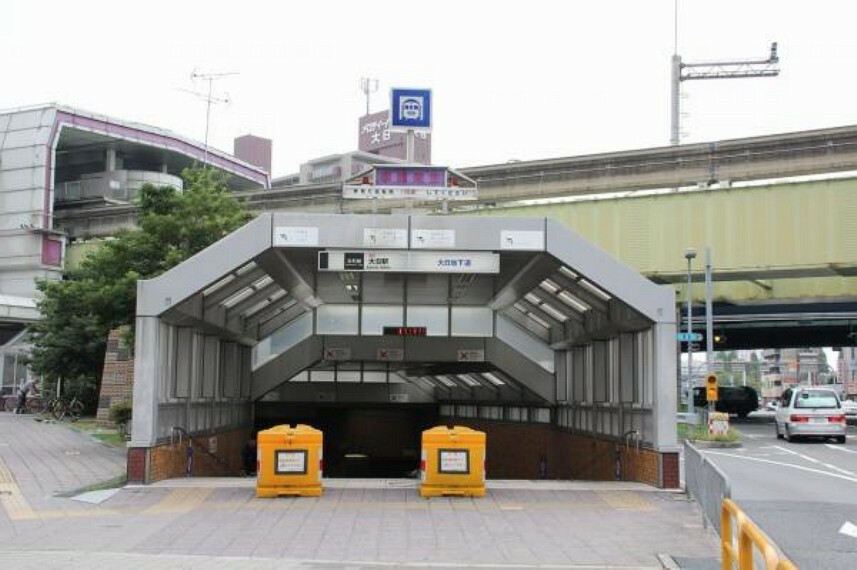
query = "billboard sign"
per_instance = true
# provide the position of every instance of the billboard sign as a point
(410, 109)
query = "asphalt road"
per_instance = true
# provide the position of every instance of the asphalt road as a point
(802, 494)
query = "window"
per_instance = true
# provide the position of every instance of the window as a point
(816, 399)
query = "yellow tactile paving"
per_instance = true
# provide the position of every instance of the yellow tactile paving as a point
(13, 501)
(626, 500)
(179, 501)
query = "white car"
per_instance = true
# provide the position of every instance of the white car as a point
(810, 411)
(850, 409)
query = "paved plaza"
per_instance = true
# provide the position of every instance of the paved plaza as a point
(355, 524)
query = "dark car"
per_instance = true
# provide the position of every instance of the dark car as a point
(738, 400)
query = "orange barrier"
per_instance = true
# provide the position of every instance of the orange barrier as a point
(750, 540)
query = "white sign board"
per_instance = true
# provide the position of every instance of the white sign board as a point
(432, 239)
(291, 462)
(718, 423)
(452, 193)
(471, 355)
(337, 353)
(295, 236)
(409, 261)
(390, 354)
(456, 461)
(385, 237)
(522, 240)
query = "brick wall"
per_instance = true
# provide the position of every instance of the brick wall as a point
(533, 451)
(117, 379)
(167, 461)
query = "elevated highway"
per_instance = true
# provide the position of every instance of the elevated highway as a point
(777, 211)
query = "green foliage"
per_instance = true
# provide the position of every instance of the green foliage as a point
(120, 414)
(79, 311)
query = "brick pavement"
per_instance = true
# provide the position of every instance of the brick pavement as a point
(355, 524)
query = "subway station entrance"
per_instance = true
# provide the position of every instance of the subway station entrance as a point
(374, 328)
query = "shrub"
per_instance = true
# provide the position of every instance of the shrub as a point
(120, 414)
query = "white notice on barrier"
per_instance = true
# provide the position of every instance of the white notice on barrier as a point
(291, 462)
(453, 461)
(294, 236)
(718, 423)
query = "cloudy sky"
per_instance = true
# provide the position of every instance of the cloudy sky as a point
(510, 80)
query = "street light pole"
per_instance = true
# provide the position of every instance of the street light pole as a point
(689, 254)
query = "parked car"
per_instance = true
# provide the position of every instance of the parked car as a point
(737, 400)
(850, 409)
(810, 411)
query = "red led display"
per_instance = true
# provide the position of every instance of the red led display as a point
(405, 331)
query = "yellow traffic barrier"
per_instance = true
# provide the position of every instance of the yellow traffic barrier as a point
(289, 461)
(452, 462)
(750, 540)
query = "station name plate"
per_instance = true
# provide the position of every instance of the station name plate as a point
(409, 261)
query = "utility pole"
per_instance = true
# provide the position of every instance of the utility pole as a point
(368, 86)
(728, 69)
(209, 98)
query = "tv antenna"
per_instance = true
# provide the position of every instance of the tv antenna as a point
(727, 69)
(368, 86)
(209, 98)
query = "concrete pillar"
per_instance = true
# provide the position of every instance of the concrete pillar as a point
(147, 378)
(664, 404)
(110, 159)
(164, 168)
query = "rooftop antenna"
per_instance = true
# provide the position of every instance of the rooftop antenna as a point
(209, 98)
(727, 69)
(368, 86)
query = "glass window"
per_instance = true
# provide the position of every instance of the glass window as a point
(472, 321)
(337, 319)
(816, 399)
(376, 317)
(434, 317)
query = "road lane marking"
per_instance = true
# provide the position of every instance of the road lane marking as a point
(840, 448)
(781, 464)
(848, 529)
(813, 460)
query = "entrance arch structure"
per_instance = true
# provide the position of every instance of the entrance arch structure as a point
(517, 326)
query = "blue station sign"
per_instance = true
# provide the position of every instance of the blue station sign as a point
(410, 109)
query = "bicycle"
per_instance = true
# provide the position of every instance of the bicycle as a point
(34, 404)
(72, 409)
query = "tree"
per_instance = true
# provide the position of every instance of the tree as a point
(79, 311)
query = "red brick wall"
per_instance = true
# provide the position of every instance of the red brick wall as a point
(167, 461)
(117, 379)
(515, 451)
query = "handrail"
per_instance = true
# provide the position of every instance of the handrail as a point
(750, 539)
(194, 441)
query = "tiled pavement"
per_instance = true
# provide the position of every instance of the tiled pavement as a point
(353, 525)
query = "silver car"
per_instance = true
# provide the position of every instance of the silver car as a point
(809, 411)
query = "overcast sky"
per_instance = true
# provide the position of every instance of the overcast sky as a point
(510, 80)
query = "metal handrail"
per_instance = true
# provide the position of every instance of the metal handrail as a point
(194, 441)
(750, 539)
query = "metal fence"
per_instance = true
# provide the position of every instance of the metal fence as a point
(706, 483)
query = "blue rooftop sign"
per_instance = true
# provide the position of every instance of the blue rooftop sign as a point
(410, 109)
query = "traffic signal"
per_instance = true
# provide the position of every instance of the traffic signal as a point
(711, 388)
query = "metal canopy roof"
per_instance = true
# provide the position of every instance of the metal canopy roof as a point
(552, 287)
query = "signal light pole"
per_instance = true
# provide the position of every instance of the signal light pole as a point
(689, 255)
